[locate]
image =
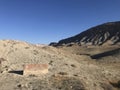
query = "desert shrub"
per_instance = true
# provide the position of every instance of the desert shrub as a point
(66, 64)
(115, 84)
(27, 47)
(32, 75)
(11, 51)
(68, 83)
(19, 85)
(1, 60)
(72, 65)
(50, 63)
(4, 45)
(119, 84)
(35, 52)
(75, 75)
(63, 73)
(106, 86)
(38, 85)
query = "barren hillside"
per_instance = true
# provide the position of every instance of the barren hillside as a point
(67, 71)
(108, 33)
(71, 65)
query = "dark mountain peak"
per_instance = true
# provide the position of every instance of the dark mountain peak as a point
(107, 33)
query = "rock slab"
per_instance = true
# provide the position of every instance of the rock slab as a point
(35, 69)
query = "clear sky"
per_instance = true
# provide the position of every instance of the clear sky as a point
(44, 21)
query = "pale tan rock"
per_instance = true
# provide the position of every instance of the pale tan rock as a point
(35, 69)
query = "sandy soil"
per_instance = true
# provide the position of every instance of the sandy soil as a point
(70, 68)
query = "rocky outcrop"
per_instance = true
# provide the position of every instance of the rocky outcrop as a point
(108, 33)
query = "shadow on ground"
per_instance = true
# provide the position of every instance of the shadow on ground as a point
(108, 53)
(19, 72)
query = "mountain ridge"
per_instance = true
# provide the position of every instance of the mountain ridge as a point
(107, 33)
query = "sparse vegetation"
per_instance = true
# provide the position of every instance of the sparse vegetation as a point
(70, 66)
(106, 86)
(75, 75)
(63, 73)
(4, 45)
(50, 63)
(68, 83)
(116, 84)
(35, 52)
(27, 47)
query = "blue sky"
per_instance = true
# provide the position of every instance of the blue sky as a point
(45, 21)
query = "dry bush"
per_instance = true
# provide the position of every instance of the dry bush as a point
(67, 83)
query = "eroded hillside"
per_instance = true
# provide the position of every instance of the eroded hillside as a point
(67, 70)
(105, 34)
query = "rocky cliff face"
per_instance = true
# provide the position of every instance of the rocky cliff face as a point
(108, 33)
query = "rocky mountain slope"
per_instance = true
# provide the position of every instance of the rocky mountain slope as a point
(67, 71)
(108, 33)
(76, 65)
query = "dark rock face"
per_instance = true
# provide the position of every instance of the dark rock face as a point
(53, 44)
(108, 33)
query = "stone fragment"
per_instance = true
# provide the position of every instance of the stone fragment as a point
(35, 69)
